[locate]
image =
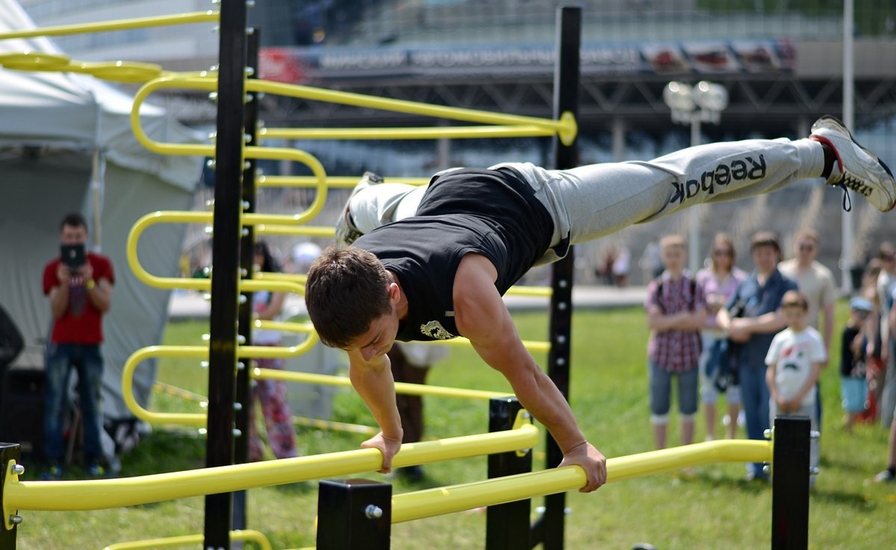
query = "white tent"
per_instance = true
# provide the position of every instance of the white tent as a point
(66, 145)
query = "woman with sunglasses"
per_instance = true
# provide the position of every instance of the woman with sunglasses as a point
(718, 281)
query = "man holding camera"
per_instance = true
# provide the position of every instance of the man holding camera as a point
(79, 285)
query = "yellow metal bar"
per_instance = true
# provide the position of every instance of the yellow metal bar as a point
(192, 540)
(565, 127)
(127, 384)
(346, 182)
(446, 500)
(435, 132)
(303, 230)
(132, 491)
(118, 25)
(537, 291)
(400, 387)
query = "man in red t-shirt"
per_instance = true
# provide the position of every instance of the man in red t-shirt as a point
(80, 292)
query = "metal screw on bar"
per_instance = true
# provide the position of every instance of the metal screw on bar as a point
(814, 434)
(213, 96)
(237, 406)
(562, 283)
(561, 339)
(210, 162)
(250, 30)
(243, 299)
(246, 137)
(214, 68)
(259, 95)
(561, 306)
(240, 365)
(249, 71)
(202, 431)
(373, 512)
(767, 434)
(210, 203)
(240, 339)
(245, 232)
(766, 469)
(15, 519)
(208, 230)
(17, 469)
(206, 295)
(815, 470)
(561, 361)
(212, 136)
(250, 3)
(246, 205)
(247, 165)
(244, 272)
(203, 364)
(216, 29)
(237, 433)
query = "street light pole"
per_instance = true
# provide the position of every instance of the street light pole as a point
(703, 102)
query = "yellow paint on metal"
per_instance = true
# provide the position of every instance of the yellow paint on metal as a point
(117, 25)
(446, 500)
(192, 540)
(132, 491)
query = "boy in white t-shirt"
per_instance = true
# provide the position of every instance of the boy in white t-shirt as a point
(795, 359)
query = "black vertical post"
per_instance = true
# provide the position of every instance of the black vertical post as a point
(507, 525)
(225, 262)
(790, 483)
(550, 528)
(247, 252)
(8, 451)
(352, 514)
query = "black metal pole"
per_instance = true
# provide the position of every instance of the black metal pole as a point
(790, 483)
(244, 394)
(8, 451)
(225, 262)
(507, 525)
(353, 514)
(549, 530)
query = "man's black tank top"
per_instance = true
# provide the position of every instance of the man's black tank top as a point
(490, 212)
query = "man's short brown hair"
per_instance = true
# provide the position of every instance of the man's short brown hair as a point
(765, 238)
(347, 288)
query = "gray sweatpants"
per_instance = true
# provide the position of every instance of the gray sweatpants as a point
(599, 199)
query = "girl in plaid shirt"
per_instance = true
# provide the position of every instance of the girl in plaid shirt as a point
(676, 311)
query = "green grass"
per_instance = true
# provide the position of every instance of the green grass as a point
(710, 509)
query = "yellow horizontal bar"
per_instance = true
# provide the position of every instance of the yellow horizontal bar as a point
(536, 291)
(132, 491)
(400, 387)
(299, 230)
(118, 25)
(337, 181)
(335, 426)
(168, 542)
(565, 127)
(435, 132)
(446, 500)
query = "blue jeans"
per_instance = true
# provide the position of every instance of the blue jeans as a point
(754, 397)
(88, 362)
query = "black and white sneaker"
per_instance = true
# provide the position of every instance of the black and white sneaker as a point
(856, 168)
(346, 232)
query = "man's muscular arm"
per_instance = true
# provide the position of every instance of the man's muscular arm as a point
(483, 318)
(373, 382)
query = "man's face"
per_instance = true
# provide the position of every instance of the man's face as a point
(379, 338)
(73, 234)
(806, 249)
(380, 335)
(765, 257)
(673, 257)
